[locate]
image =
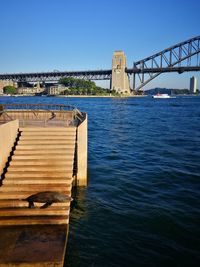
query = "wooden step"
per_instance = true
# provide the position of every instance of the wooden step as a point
(50, 211)
(41, 220)
(49, 174)
(16, 203)
(39, 179)
(35, 187)
(43, 146)
(45, 152)
(24, 194)
(43, 162)
(45, 137)
(38, 168)
(48, 134)
(33, 180)
(40, 157)
(48, 129)
(39, 150)
(46, 142)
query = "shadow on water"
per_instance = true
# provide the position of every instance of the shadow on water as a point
(78, 215)
(78, 205)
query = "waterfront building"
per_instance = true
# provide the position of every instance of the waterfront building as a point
(193, 85)
(55, 90)
(4, 83)
(29, 90)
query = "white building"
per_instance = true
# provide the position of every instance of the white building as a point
(55, 90)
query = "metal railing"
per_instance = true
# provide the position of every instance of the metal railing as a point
(41, 114)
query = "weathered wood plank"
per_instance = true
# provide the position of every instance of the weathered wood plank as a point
(23, 141)
(37, 168)
(44, 146)
(49, 174)
(18, 212)
(49, 133)
(42, 220)
(35, 187)
(41, 157)
(49, 137)
(40, 151)
(24, 194)
(16, 203)
(44, 162)
(32, 180)
(48, 129)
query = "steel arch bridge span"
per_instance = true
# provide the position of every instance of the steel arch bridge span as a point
(184, 56)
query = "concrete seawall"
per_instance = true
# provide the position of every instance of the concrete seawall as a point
(8, 134)
(82, 149)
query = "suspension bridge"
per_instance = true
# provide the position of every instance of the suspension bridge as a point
(181, 57)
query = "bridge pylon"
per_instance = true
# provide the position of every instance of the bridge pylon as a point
(120, 80)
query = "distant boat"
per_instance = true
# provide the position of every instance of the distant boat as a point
(158, 95)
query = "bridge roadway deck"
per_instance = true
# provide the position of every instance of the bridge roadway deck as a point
(42, 160)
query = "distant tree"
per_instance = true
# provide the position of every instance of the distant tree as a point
(9, 89)
(82, 87)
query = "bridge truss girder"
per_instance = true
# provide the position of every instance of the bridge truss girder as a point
(55, 76)
(184, 56)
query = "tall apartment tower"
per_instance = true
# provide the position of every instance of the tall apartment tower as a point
(193, 85)
(120, 81)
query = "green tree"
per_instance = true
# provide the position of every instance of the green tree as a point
(82, 87)
(9, 89)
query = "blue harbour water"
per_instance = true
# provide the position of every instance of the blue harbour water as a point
(142, 203)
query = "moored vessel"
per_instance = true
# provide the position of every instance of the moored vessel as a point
(158, 95)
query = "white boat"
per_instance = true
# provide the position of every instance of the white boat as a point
(161, 96)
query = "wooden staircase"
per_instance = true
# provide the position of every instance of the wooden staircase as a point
(43, 160)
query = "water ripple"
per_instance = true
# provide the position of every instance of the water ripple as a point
(141, 207)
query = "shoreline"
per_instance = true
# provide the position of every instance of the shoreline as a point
(78, 96)
(89, 96)
(101, 96)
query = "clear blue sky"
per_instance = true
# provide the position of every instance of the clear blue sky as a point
(45, 35)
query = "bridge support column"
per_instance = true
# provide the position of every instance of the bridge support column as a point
(120, 81)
